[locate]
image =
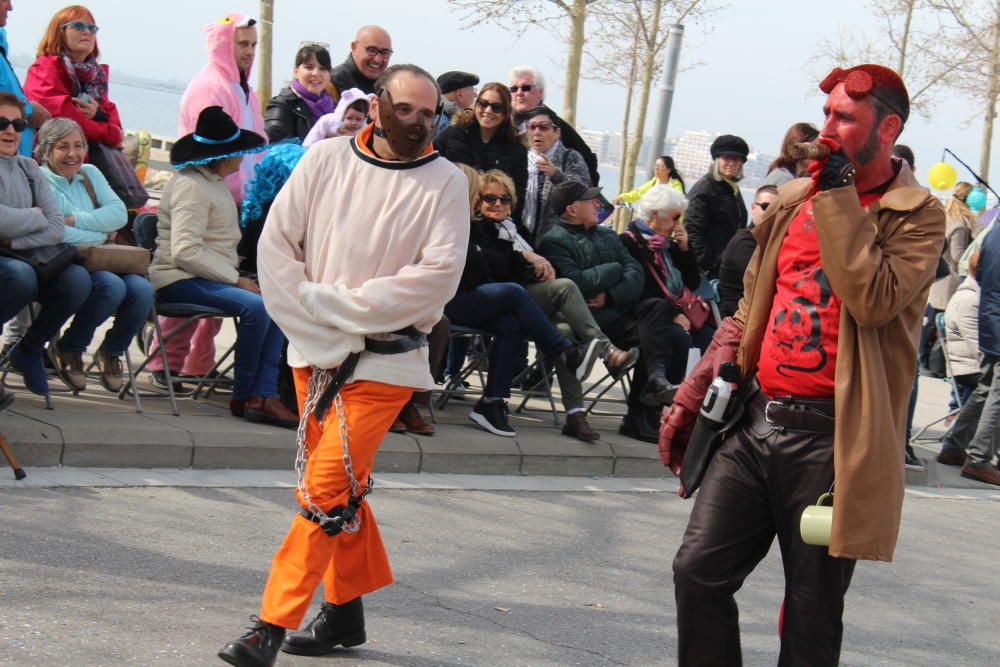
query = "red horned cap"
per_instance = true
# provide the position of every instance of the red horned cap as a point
(880, 82)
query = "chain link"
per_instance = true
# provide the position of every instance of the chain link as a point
(318, 382)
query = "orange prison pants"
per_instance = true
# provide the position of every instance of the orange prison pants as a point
(349, 564)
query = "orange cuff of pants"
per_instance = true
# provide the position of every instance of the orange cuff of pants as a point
(349, 564)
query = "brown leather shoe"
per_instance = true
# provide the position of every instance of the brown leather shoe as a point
(111, 371)
(238, 407)
(951, 456)
(397, 426)
(270, 410)
(413, 422)
(69, 367)
(576, 426)
(984, 473)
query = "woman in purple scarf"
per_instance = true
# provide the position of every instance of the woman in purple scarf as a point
(292, 112)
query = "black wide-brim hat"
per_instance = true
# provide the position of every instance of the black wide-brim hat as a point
(215, 136)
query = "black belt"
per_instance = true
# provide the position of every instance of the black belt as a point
(814, 415)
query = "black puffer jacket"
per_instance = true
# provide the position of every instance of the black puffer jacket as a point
(287, 117)
(491, 259)
(715, 213)
(463, 145)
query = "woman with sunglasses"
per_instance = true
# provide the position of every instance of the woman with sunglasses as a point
(292, 112)
(67, 79)
(485, 138)
(29, 219)
(509, 290)
(660, 244)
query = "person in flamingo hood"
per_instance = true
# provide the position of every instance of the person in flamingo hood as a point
(223, 82)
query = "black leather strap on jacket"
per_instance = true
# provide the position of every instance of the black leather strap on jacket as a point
(344, 371)
(412, 339)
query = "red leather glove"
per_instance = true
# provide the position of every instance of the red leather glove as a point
(679, 417)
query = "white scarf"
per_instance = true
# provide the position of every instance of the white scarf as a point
(531, 214)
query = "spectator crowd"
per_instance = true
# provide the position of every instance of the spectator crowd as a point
(543, 264)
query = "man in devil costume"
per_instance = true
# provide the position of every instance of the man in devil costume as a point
(362, 249)
(825, 337)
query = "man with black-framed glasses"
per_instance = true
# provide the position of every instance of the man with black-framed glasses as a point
(369, 57)
(736, 257)
(527, 92)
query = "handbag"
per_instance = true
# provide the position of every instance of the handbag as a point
(115, 258)
(121, 176)
(48, 261)
(690, 304)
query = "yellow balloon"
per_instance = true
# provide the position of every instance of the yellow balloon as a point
(942, 176)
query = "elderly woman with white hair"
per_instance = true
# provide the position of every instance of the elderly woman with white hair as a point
(659, 242)
(92, 213)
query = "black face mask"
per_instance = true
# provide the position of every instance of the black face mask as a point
(408, 139)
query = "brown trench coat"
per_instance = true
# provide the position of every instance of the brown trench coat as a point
(881, 263)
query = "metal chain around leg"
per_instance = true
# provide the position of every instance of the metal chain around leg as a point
(319, 380)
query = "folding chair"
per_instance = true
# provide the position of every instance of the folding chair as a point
(949, 378)
(481, 342)
(708, 290)
(541, 389)
(50, 357)
(145, 236)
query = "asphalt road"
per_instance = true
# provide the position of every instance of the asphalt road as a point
(152, 576)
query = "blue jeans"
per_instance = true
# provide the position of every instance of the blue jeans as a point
(59, 299)
(505, 310)
(127, 296)
(258, 340)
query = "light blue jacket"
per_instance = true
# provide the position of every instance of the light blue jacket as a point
(10, 84)
(92, 225)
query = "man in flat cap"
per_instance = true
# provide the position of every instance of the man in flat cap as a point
(825, 337)
(458, 90)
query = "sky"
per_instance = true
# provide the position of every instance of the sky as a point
(747, 71)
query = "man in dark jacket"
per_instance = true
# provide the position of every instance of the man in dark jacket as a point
(716, 210)
(527, 90)
(370, 54)
(611, 280)
(739, 250)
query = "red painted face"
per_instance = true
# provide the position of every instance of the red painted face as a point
(851, 123)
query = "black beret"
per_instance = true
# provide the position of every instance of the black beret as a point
(449, 82)
(729, 144)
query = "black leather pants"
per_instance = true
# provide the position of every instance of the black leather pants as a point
(756, 487)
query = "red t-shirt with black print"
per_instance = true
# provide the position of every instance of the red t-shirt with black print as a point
(799, 351)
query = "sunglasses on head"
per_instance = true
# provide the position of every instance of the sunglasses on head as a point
(375, 51)
(526, 88)
(493, 199)
(322, 45)
(762, 205)
(81, 26)
(544, 126)
(18, 124)
(497, 107)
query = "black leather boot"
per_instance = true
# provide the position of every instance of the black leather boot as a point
(335, 625)
(257, 648)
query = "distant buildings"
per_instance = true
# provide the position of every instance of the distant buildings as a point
(691, 153)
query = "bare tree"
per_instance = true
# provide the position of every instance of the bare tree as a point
(914, 37)
(650, 34)
(517, 15)
(977, 27)
(264, 51)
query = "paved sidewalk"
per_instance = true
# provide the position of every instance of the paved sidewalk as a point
(95, 430)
